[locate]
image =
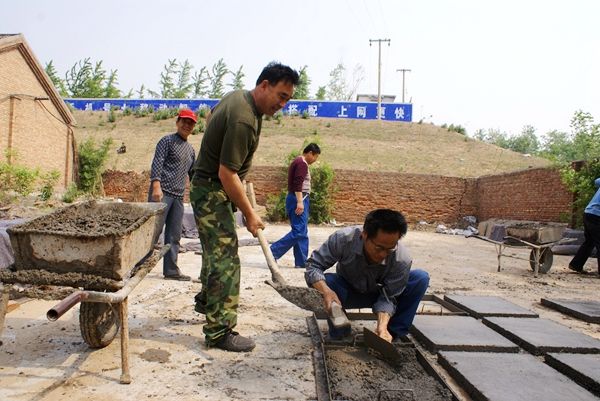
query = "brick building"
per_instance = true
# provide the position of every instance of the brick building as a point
(35, 123)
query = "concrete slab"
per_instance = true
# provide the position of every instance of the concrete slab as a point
(584, 369)
(540, 336)
(480, 306)
(510, 377)
(588, 311)
(458, 333)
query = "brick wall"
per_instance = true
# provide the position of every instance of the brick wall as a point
(39, 137)
(535, 194)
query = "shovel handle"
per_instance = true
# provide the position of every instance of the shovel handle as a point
(275, 273)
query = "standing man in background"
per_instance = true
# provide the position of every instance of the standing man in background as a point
(172, 163)
(230, 140)
(297, 205)
(591, 232)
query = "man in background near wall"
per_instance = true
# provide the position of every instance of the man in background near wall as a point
(173, 161)
(297, 205)
(591, 232)
(229, 142)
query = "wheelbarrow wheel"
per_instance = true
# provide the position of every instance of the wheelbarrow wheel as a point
(99, 323)
(546, 258)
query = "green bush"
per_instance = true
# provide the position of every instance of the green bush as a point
(581, 183)
(49, 180)
(165, 114)
(91, 164)
(276, 206)
(70, 194)
(112, 117)
(16, 178)
(202, 112)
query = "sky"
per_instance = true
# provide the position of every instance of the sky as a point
(482, 64)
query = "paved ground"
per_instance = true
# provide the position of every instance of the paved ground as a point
(43, 360)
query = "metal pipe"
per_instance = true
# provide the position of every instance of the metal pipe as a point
(59, 309)
(108, 297)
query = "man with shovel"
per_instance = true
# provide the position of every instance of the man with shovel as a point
(373, 269)
(229, 142)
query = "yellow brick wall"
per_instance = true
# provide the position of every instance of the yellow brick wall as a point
(39, 136)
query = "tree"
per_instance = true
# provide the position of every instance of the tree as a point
(358, 75)
(184, 86)
(59, 83)
(321, 93)
(200, 86)
(583, 143)
(301, 91)
(238, 79)
(84, 80)
(110, 87)
(140, 92)
(526, 142)
(167, 86)
(219, 70)
(337, 87)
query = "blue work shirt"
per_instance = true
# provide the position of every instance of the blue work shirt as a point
(345, 249)
(594, 206)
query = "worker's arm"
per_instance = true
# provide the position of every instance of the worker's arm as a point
(381, 330)
(235, 190)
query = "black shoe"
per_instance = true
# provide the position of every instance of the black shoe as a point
(234, 342)
(178, 277)
(200, 306)
(576, 269)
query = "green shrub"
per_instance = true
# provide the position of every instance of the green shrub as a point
(16, 178)
(202, 112)
(112, 117)
(165, 114)
(305, 115)
(276, 206)
(49, 180)
(199, 128)
(581, 183)
(70, 194)
(91, 164)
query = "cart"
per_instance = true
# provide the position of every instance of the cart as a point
(538, 237)
(104, 265)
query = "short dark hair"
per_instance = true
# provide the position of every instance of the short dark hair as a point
(386, 220)
(312, 147)
(275, 72)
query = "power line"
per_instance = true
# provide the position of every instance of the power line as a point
(379, 74)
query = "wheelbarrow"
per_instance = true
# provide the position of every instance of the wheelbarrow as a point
(539, 238)
(105, 248)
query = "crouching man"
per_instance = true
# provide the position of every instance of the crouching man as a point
(373, 269)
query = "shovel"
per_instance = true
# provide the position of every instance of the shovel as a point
(303, 297)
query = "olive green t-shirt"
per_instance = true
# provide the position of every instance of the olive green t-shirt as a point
(231, 136)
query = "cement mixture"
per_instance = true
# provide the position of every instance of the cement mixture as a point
(355, 374)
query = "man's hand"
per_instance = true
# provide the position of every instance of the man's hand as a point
(253, 223)
(299, 208)
(382, 326)
(157, 193)
(328, 295)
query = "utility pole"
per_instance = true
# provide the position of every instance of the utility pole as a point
(379, 74)
(403, 71)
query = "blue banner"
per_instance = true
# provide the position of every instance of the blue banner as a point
(312, 108)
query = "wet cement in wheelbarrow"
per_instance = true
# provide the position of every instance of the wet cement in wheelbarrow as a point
(86, 224)
(355, 374)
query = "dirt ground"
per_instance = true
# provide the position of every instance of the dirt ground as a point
(42, 360)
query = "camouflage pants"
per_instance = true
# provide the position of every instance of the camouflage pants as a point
(220, 274)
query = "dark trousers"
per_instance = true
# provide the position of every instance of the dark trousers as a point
(406, 303)
(591, 232)
(173, 221)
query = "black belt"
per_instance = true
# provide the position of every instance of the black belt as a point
(198, 177)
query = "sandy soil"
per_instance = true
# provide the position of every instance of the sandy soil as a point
(42, 360)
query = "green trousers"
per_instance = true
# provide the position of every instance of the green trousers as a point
(220, 274)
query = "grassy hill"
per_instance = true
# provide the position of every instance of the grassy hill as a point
(346, 144)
